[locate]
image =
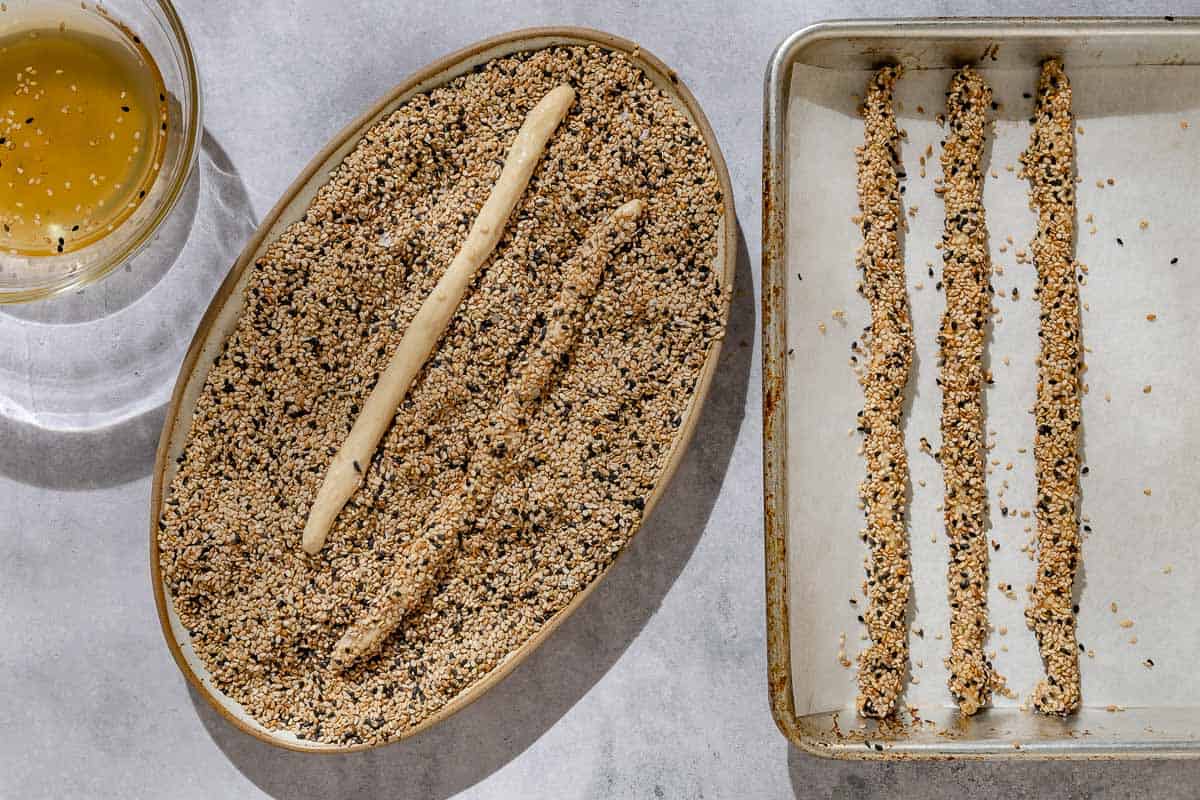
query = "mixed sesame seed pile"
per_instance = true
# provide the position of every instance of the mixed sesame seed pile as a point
(325, 307)
(1049, 165)
(966, 279)
(883, 665)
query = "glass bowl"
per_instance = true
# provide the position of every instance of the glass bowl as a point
(155, 22)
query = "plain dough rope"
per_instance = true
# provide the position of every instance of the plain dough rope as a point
(346, 470)
(420, 567)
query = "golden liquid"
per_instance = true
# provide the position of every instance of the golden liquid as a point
(83, 124)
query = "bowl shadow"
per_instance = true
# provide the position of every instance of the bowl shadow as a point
(482, 738)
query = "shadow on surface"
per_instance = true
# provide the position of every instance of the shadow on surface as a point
(485, 736)
(85, 378)
(87, 459)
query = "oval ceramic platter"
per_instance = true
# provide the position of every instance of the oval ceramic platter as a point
(222, 316)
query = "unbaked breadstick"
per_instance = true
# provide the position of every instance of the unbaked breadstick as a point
(965, 278)
(346, 470)
(1049, 165)
(889, 339)
(420, 568)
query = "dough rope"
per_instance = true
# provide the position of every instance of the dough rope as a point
(889, 340)
(346, 470)
(419, 569)
(1049, 165)
(966, 280)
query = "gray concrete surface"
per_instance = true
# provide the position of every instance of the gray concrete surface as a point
(656, 688)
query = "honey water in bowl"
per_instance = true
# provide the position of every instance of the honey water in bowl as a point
(83, 127)
(83, 368)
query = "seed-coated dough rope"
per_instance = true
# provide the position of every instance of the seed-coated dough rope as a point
(889, 339)
(420, 567)
(965, 278)
(1049, 165)
(346, 470)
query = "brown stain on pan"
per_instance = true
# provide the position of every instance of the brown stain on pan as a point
(774, 367)
(226, 306)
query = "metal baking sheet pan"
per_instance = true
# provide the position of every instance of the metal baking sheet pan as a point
(1137, 99)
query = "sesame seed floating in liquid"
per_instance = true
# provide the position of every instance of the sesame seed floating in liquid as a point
(62, 136)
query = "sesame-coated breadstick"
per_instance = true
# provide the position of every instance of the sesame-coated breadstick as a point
(889, 339)
(1049, 165)
(346, 470)
(965, 277)
(420, 568)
